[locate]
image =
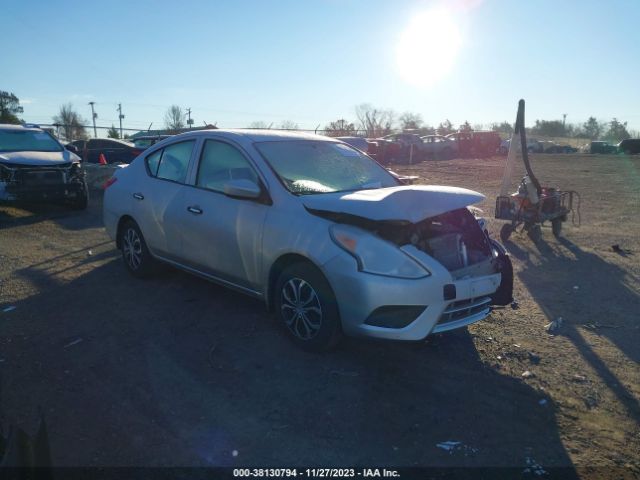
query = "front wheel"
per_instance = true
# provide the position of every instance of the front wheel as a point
(306, 306)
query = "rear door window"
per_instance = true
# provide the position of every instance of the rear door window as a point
(172, 162)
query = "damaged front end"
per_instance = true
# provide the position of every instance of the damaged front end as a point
(39, 183)
(455, 239)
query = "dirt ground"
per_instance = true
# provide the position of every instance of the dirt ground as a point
(177, 371)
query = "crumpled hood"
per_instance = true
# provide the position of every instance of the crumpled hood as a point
(410, 203)
(39, 158)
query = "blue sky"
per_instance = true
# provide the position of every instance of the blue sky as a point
(235, 62)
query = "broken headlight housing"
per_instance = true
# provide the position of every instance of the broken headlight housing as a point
(375, 255)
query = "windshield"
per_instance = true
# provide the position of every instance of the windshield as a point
(27, 141)
(309, 166)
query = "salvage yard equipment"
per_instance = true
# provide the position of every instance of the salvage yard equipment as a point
(532, 204)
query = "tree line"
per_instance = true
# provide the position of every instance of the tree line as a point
(370, 121)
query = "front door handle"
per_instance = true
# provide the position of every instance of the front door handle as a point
(138, 196)
(195, 209)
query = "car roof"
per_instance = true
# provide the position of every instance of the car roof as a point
(256, 135)
(10, 126)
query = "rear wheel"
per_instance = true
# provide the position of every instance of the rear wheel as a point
(135, 254)
(505, 232)
(306, 306)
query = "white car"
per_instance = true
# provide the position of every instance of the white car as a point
(325, 236)
(437, 146)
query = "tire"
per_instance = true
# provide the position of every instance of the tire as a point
(556, 227)
(135, 255)
(505, 232)
(535, 232)
(306, 308)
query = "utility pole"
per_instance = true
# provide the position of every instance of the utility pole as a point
(120, 116)
(94, 115)
(189, 121)
(564, 119)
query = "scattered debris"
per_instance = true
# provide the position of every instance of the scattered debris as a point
(75, 342)
(515, 305)
(395, 448)
(234, 453)
(90, 252)
(448, 445)
(452, 446)
(517, 345)
(499, 357)
(542, 402)
(554, 326)
(597, 325)
(533, 358)
(528, 374)
(576, 287)
(621, 251)
(9, 309)
(579, 378)
(2, 360)
(534, 467)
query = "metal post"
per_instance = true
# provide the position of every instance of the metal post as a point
(94, 115)
(189, 121)
(120, 116)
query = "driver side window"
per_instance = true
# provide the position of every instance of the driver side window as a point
(221, 162)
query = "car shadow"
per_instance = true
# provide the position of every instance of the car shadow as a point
(177, 371)
(555, 274)
(19, 214)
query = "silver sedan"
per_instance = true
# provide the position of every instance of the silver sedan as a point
(327, 238)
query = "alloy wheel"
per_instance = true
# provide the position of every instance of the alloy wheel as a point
(301, 309)
(132, 249)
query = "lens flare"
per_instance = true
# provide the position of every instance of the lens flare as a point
(428, 47)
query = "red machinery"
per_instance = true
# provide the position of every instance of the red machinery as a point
(532, 204)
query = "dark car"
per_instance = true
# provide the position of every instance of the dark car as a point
(476, 143)
(146, 141)
(114, 151)
(34, 166)
(602, 147)
(630, 146)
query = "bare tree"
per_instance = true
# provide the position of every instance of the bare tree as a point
(259, 124)
(174, 119)
(71, 122)
(340, 128)
(410, 121)
(288, 125)
(374, 121)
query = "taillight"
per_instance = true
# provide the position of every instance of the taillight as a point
(109, 182)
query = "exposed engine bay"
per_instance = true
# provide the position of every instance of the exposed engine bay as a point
(456, 239)
(63, 181)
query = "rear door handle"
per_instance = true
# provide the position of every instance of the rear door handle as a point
(195, 209)
(138, 196)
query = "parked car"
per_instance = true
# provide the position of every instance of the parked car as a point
(409, 147)
(602, 147)
(438, 146)
(360, 143)
(630, 146)
(323, 235)
(476, 143)
(385, 151)
(146, 141)
(551, 147)
(34, 166)
(114, 151)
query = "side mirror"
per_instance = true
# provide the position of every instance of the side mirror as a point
(241, 188)
(72, 148)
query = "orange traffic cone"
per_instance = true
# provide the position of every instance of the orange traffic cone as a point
(102, 159)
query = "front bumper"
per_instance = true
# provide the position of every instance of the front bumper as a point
(359, 294)
(38, 193)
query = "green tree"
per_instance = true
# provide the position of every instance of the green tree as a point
(410, 121)
(71, 122)
(617, 131)
(503, 127)
(113, 132)
(340, 128)
(549, 128)
(592, 128)
(9, 108)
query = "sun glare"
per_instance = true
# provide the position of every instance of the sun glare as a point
(428, 47)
